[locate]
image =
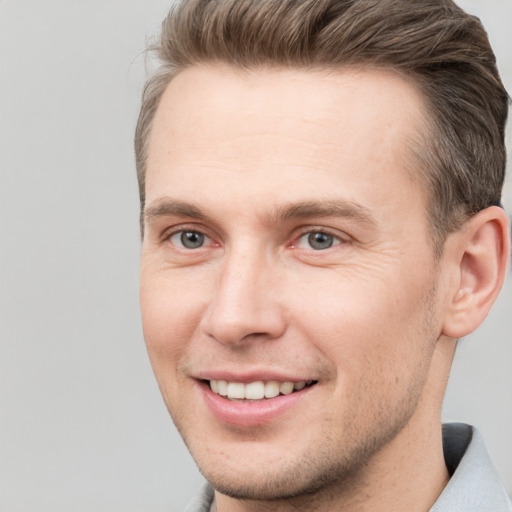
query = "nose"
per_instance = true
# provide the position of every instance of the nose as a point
(244, 305)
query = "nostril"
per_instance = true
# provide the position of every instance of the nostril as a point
(256, 335)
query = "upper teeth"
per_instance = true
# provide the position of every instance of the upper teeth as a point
(255, 390)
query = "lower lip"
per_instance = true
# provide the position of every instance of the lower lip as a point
(250, 414)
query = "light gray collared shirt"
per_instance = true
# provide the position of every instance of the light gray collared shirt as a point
(474, 486)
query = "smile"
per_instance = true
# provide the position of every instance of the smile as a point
(258, 390)
(252, 404)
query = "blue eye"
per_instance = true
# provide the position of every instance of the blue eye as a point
(317, 240)
(188, 239)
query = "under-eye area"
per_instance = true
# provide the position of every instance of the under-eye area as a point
(258, 390)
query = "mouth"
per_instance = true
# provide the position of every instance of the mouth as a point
(256, 391)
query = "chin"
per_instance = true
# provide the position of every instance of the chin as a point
(275, 478)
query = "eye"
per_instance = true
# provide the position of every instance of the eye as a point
(188, 239)
(317, 240)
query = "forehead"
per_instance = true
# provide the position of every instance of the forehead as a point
(296, 130)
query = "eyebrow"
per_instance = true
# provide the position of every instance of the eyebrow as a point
(168, 207)
(326, 208)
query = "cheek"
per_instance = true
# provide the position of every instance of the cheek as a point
(171, 311)
(368, 328)
(169, 320)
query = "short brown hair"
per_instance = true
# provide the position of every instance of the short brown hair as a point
(443, 49)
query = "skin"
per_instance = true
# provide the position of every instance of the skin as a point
(371, 318)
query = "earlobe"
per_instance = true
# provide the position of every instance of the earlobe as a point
(482, 254)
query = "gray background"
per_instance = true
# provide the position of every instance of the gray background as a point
(82, 425)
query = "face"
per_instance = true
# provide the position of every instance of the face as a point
(287, 264)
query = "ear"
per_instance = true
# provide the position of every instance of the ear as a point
(480, 255)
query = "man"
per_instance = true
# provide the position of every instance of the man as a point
(320, 188)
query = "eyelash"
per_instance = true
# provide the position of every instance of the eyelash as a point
(181, 230)
(336, 239)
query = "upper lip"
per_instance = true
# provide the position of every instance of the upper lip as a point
(252, 376)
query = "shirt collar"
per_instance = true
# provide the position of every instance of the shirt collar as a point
(474, 486)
